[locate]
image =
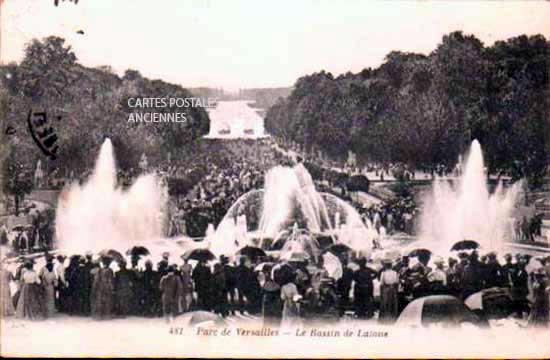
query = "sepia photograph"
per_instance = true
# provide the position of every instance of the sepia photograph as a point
(261, 179)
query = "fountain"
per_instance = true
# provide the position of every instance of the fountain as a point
(99, 215)
(290, 198)
(467, 210)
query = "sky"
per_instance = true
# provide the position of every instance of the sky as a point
(254, 43)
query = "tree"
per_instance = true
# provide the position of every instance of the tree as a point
(18, 180)
(94, 102)
(425, 110)
(47, 68)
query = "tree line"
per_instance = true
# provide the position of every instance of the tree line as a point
(84, 106)
(424, 110)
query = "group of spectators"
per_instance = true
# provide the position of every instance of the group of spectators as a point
(213, 195)
(36, 236)
(281, 292)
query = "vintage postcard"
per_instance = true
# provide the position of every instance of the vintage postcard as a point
(264, 179)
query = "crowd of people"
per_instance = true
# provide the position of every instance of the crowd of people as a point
(212, 196)
(281, 292)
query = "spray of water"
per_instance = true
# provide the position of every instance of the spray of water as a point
(290, 197)
(98, 215)
(467, 210)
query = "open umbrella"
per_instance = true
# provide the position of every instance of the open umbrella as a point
(437, 309)
(465, 245)
(420, 253)
(251, 252)
(18, 228)
(199, 255)
(113, 254)
(337, 249)
(495, 303)
(195, 318)
(138, 251)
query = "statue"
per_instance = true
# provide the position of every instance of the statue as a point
(143, 164)
(38, 174)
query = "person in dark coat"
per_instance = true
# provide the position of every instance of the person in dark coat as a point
(137, 303)
(471, 279)
(219, 297)
(343, 285)
(493, 274)
(86, 277)
(482, 271)
(124, 290)
(202, 278)
(538, 317)
(272, 306)
(254, 294)
(170, 287)
(520, 289)
(81, 288)
(242, 275)
(150, 296)
(72, 295)
(103, 291)
(507, 271)
(453, 278)
(364, 290)
(230, 283)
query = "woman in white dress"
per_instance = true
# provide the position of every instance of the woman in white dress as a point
(291, 298)
(31, 304)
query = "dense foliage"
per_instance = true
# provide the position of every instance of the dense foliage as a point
(17, 179)
(92, 104)
(425, 110)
